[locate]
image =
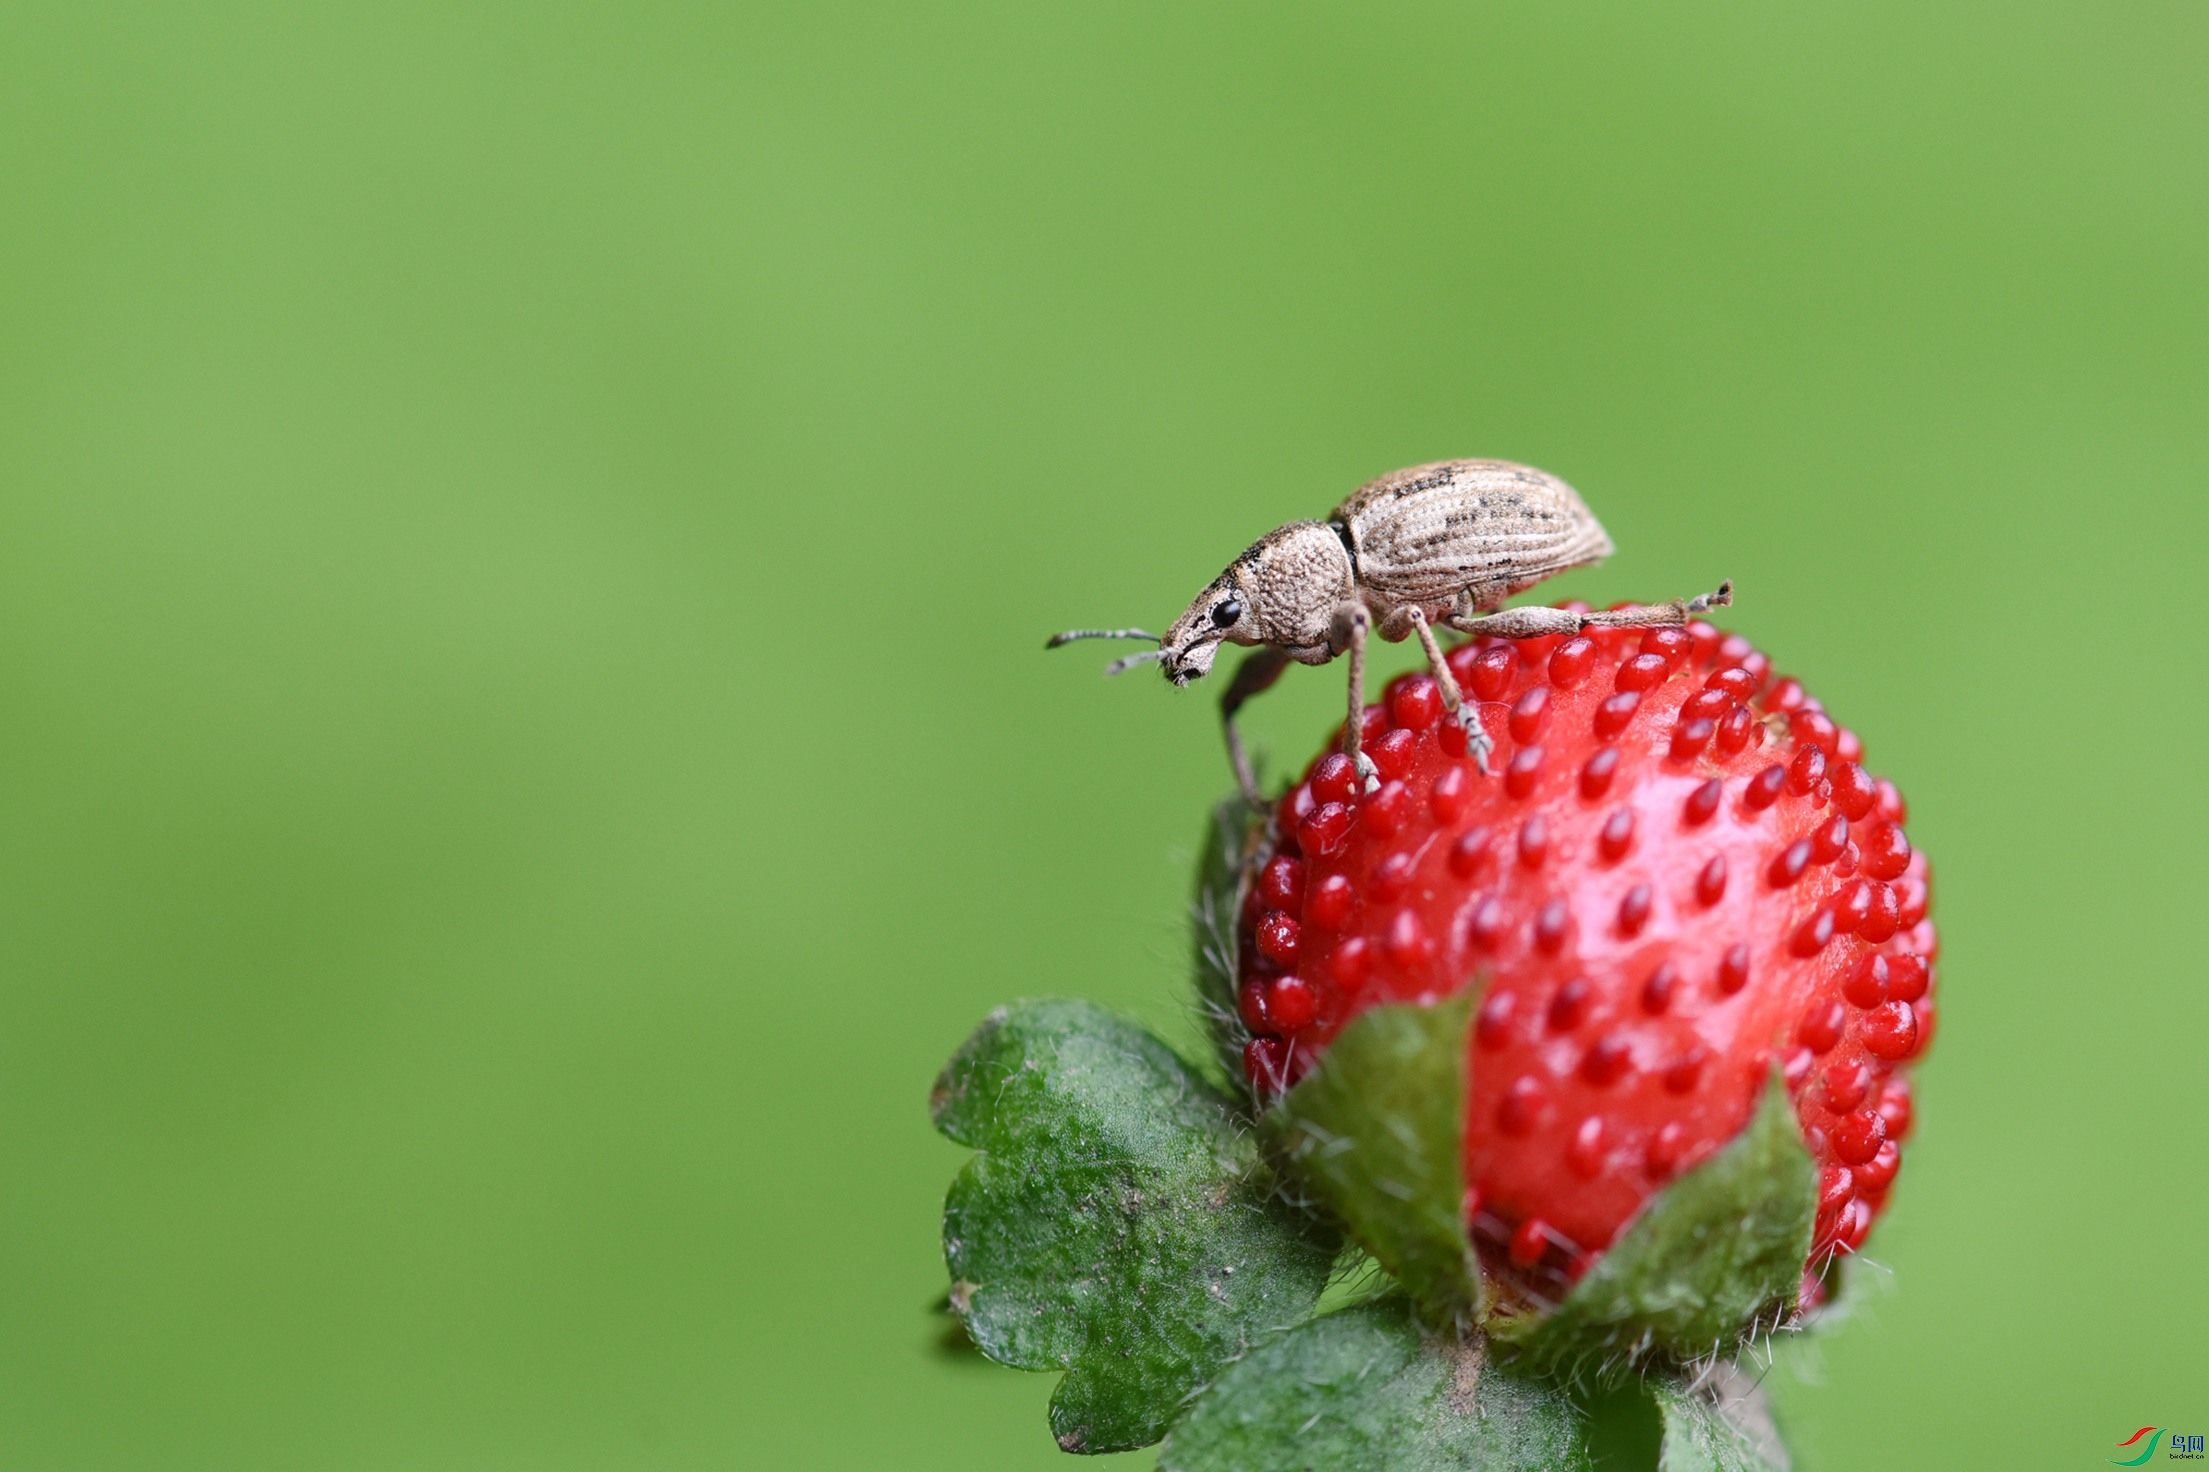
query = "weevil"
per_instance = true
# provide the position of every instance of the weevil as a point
(1439, 545)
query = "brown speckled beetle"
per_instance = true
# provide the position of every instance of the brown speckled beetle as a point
(1435, 544)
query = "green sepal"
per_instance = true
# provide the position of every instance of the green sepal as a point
(1711, 1258)
(1117, 1222)
(1231, 842)
(1371, 1387)
(1376, 1130)
(1721, 1425)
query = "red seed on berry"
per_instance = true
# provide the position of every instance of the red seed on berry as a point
(1614, 714)
(1528, 712)
(1710, 883)
(1891, 1031)
(1569, 664)
(1764, 788)
(1494, 671)
(1329, 906)
(1416, 703)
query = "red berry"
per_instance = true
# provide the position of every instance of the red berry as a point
(1659, 911)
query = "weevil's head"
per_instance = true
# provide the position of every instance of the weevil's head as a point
(1284, 590)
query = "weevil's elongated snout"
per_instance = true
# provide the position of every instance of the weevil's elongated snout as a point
(1193, 642)
(1194, 663)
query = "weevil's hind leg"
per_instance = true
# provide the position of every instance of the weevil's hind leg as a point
(1453, 701)
(1353, 624)
(1534, 622)
(1259, 669)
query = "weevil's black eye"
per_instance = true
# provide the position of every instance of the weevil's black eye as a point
(1226, 613)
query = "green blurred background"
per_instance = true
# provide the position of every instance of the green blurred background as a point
(526, 533)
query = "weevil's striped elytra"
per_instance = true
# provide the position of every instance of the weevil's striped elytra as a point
(1433, 545)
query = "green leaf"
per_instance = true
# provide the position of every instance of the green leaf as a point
(1722, 1425)
(1369, 1388)
(1713, 1256)
(1117, 1222)
(1230, 842)
(1376, 1131)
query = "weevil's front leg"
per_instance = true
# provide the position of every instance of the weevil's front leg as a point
(1461, 710)
(1259, 669)
(1352, 624)
(1534, 622)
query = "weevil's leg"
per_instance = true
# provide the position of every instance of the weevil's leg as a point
(1661, 615)
(1356, 623)
(1533, 622)
(1259, 669)
(1461, 711)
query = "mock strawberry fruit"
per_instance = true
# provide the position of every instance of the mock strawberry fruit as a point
(1679, 877)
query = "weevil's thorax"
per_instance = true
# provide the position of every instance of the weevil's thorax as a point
(1295, 578)
(1284, 590)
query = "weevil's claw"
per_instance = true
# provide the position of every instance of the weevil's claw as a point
(1477, 744)
(1369, 772)
(1722, 598)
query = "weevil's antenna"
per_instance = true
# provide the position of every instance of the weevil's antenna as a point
(1122, 666)
(1072, 634)
(1118, 666)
